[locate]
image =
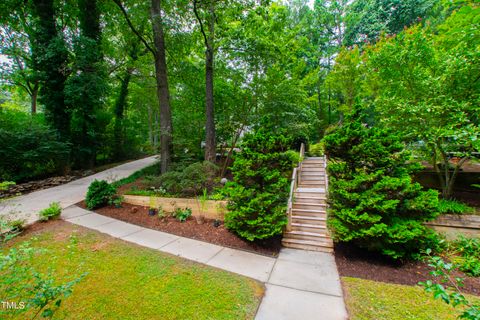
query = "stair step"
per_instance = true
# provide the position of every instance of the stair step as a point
(311, 227)
(313, 173)
(317, 241)
(308, 205)
(307, 245)
(309, 234)
(316, 185)
(312, 168)
(312, 178)
(310, 195)
(309, 211)
(303, 219)
(311, 182)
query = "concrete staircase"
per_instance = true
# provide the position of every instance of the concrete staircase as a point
(307, 225)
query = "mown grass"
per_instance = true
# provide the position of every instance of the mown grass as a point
(125, 281)
(367, 300)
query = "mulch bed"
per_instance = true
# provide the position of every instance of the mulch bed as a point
(190, 229)
(358, 263)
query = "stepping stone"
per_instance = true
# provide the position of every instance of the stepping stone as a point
(245, 263)
(282, 303)
(150, 238)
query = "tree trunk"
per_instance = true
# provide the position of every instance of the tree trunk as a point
(33, 97)
(50, 56)
(120, 105)
(163, 94)
(210, 144)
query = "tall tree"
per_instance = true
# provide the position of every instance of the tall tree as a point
(208, 38)
(159, 54)
(86, 88)
(50, 58)
(166, 127)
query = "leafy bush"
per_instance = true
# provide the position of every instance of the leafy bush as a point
(453, 207)
(28, 148)
(317, 150)
(448, 288)
(373, 201)
(468, 251)
(189, 181)
(41, 292)
(259, 191)
(100, 193)
(52, 212)
(182, 214)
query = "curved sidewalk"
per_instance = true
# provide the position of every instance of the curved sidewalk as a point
(27, 207)
(299, 284)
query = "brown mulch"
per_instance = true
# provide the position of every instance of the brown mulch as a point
(472, 198)
(358, 263)
(190, 229)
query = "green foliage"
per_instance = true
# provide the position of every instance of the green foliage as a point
(153, 169)
(9, 228)
(50, 65)
(202, 202)
(373, 201)
(28, 148)
(52, 212)
(421, 82)
(100, 193)
(466, 253)
(259, 191)
(368, 19)
(33, 290)
(189, 181)
(40, 292)
(453, 207)
(449, 291)
(4, 185)
(317, 150)
(182, 214)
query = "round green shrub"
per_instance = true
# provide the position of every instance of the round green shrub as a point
(99, 194)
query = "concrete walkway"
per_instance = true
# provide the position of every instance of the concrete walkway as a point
(27, 207)
(300, 284)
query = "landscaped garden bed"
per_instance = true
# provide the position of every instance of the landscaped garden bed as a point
(211, 230)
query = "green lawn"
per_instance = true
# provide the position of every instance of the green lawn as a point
(371, 300)
(126, 281)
